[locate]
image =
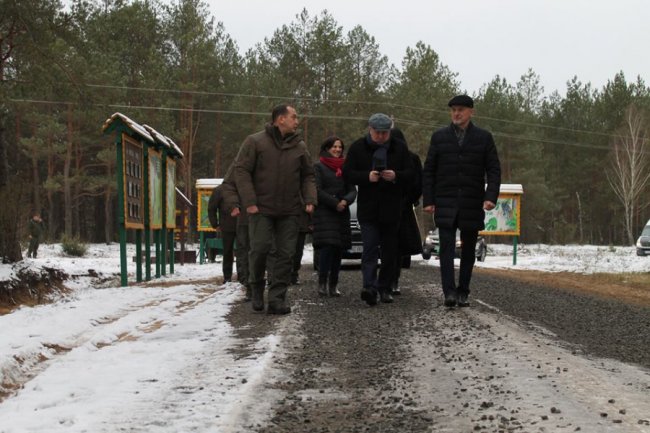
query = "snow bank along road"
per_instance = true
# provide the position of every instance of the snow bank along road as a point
(183, 355)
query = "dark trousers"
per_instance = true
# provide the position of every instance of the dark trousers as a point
(263, 231)
(297, 256)
(378, 237)
(329, 264)
(241, 252)
(467, 259)
(228, 239)
(402, 261)
(296, 260)
(33, 247)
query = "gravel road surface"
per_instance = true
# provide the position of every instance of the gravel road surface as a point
(523, 357)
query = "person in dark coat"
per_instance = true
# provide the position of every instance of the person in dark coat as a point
(36, 230)
(461, 160)
(332, 232)
(410, 241)
(220, 219)
(232, 205)
(381, 167)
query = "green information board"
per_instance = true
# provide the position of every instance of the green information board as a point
(170, 194)
(155, 190)
(505, 218)
(203, 223)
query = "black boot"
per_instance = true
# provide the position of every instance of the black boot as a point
(322, 285)
(385, 297)
(258, 297)
(334, 292)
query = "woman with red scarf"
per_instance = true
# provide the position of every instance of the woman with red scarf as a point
(331, 218)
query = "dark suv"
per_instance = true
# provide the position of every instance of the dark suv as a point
(431, 246)
(354, 253)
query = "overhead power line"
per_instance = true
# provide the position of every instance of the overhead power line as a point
(308, 116)
(344, 101)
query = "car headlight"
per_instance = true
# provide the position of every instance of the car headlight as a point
(638, 243)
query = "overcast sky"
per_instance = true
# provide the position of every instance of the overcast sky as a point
(478, 39)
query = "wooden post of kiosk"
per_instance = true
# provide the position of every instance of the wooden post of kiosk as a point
(162, 184)
(180, 230)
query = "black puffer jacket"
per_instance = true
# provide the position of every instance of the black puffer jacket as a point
(332, 227)
(379, 201)
(454, 177)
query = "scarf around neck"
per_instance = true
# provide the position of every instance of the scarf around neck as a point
(380, 154)
(333, 164)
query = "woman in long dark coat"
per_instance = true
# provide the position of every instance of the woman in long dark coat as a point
(331, 218)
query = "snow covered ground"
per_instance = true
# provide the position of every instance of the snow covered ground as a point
(585, 259)
(109, 358)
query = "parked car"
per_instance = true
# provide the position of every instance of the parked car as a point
(643, 243)
(431, 246)
(355, 251)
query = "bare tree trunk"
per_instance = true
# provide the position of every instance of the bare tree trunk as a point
(78, 200)
(582, 238)
(4, 160)
(187, 126)
(67, 183)
(218, 148)
(51, 227)
(630, 170)
(108, 206)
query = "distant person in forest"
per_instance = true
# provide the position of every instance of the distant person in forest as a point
(332, 234)
(381, 167)
(275, 181)
(36, 231)
(461, 160)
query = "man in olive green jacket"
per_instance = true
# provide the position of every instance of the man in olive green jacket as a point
(274, 177)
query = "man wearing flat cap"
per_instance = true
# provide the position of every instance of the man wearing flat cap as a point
(381, 167)
(462, 159)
